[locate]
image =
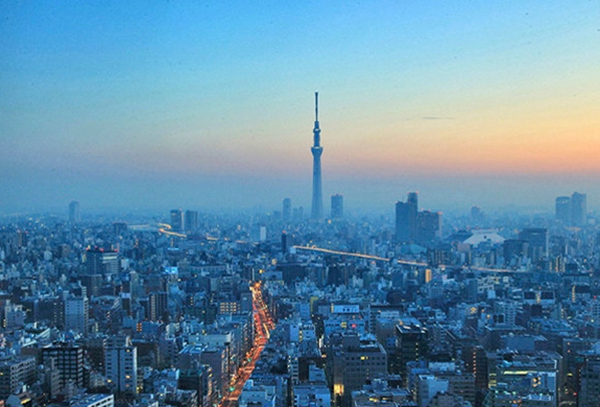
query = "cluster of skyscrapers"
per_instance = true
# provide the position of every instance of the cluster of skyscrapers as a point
(572, 210)
(414, 226)
(184, 222)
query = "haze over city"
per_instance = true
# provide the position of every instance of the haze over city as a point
(299, 204)
(210, 105)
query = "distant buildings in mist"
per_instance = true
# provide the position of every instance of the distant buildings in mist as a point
(337, 206)
(411, 225)
(184, 222)
(414, 226)
(572, 210)
(74, 215)
(290, 213)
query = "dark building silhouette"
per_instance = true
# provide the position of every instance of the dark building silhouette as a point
(157, 306)
(15, 372)
(402, 230)
(355, 362)
(337, 206)
(411, 345)
(69, 360)
(92, 283)
(578, 209)
(537, 238)
(191, 221)
(287, 210)
(199, 379)
(429, 226)
(477, 215)
(287, 241)
(317, 150)
(74, 216)
(406, 218)
(413, 205)
(119, 228)
(103, 262)
(563, 209)
(514, 249)
(177, 220)
(572, 211)
(589, 392)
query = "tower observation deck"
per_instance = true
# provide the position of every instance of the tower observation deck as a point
(317, 191)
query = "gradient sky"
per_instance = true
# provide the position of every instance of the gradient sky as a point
(204, 105)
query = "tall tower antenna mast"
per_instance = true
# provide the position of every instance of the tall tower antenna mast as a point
(317, 150)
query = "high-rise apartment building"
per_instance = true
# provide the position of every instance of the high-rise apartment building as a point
(77, 314)
(14, 373)
(121, 365)
(411, 345)
(337, 206)
(68, 360)
(357, 361)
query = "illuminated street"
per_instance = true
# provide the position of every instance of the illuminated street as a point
(263, 324)
(399, 261)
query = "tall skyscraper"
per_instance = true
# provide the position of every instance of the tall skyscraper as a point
(191, 221)
(406, 218)
(337, 206)
(413, 209)
(402, 232)
(429, 226)
(287, 209)
(317, 150)
(578, 209)
(177, 220)
(563, 209)
(74, 216)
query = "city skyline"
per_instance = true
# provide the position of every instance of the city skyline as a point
(205, 106)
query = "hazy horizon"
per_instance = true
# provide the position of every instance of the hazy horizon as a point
(210, 106)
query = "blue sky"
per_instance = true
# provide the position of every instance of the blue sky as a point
(159, 104)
